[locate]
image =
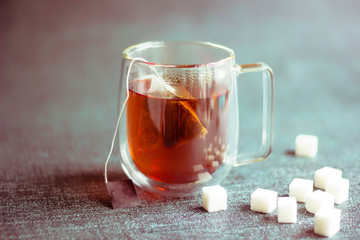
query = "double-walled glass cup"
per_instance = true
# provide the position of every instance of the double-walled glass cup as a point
(180, 128)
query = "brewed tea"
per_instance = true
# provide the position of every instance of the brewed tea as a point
(176, 138)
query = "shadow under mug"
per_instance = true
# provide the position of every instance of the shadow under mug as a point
(180, 128)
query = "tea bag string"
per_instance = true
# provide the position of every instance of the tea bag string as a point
(122, 109)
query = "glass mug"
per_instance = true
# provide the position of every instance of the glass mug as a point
(180, 128)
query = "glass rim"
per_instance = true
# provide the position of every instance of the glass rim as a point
(155, 44)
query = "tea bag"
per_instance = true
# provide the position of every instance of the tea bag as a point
(182, 124)
(159, 87)
(179, 115)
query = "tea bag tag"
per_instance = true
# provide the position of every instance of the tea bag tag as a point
(122, 194)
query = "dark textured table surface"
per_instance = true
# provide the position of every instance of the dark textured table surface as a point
(59, 74)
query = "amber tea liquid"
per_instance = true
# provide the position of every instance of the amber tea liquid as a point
(174, 139)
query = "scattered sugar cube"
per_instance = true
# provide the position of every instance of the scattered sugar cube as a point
(322, 175)
(300, 188)
(214, 198)
(327, 222)
(319, 200)
(339, 188)
(263, 200)
(306, 146)
(287, 209)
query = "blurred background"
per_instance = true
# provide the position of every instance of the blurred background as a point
(60, 65)
(60, 68)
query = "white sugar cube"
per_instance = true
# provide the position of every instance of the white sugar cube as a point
(319, 200)
(322, 175)
(287, 209)
(306, 146)
(263, 200)
(214, 198)
(339, 188)
(327, 222)
(300, 188)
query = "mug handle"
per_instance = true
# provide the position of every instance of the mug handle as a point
(268, 116)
